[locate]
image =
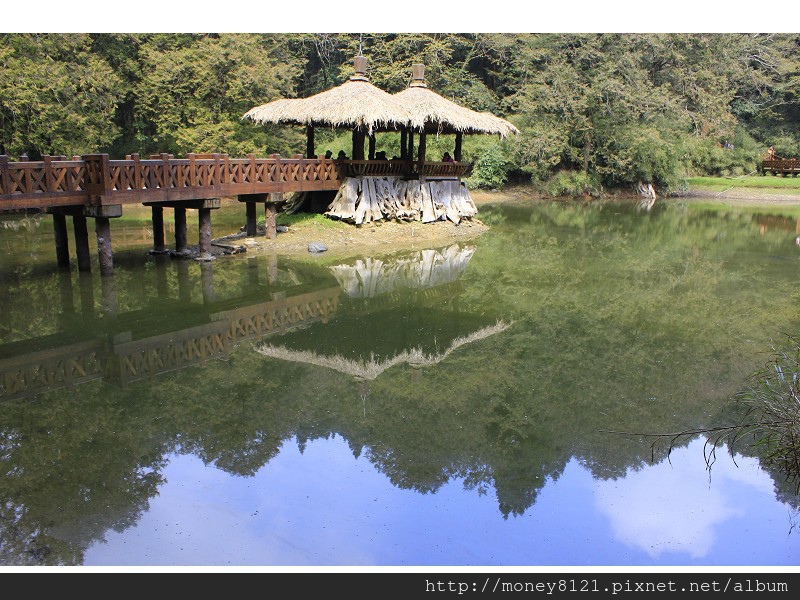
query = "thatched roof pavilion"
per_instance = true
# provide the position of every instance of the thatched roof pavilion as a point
(409, 188)
(442, 116)
(356, 104)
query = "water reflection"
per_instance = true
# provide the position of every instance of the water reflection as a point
(141, 425)
(321, 506)
(164, 336)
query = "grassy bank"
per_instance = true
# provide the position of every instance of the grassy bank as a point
(762, 193)
(767, 184)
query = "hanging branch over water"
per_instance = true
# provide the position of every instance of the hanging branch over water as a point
(770, 420)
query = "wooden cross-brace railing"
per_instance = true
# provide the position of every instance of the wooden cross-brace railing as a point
(94, 179)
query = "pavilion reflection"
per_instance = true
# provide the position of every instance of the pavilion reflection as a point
(401, 309)
(98, 340)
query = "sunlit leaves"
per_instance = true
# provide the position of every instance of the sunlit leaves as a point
(56, 97)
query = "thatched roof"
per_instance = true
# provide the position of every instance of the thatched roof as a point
(355, 104)
(440, 115)
(285, 110)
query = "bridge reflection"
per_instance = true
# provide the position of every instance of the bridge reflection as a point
(169, 335)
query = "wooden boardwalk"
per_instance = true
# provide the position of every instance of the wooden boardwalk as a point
(781, 166)
(98, 181)
(94, 186)
(95, 180)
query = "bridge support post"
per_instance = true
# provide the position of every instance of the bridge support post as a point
(270, 227)
(109, 294)
(82, 243)
(207, 279)
(102, 229)
(62, 241)
(252, 225)
(159, 245)
(252, 272)
(184, 286)
(87, 293)
(180, 229)
(272, 268)
(162, 285)
(66, 293)
(205, 234)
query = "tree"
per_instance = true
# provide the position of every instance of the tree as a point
(196, 88)
(56, 96)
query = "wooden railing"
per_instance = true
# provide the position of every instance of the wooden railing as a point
(95, 179)
(402, 168)
(444, 169)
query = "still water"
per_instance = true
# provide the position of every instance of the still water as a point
(486, 403)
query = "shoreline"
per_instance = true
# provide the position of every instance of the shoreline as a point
(345, 240)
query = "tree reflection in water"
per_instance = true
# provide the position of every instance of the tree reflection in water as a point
(622, 319)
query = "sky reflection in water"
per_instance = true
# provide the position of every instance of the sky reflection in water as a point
(326, 507)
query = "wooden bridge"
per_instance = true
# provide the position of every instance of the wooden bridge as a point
(781, 166)
(94, 186)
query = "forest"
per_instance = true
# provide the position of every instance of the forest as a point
(595, 110)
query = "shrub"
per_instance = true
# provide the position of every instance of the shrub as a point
(490, 170)
(567, 183)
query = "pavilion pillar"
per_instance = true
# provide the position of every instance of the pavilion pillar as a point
(310, 153)
(251, 222)
(102, 229)
(421, 155)
(205, 233)
(62, 241)
(403, 142)
(82, 243)
(358, 144)
(410, 149)
(180, 228)
(457, 149)
(371, 154)
(157, 212)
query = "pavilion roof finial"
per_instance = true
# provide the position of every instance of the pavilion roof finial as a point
(360, 68)
(418, 75)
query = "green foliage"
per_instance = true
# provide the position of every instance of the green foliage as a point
(571, 184)
(710, 157)
(772, 401)
(56, 96)
(195, 92)
(619, 107)
(490, 169)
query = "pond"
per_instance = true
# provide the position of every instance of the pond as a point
(491, 403)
